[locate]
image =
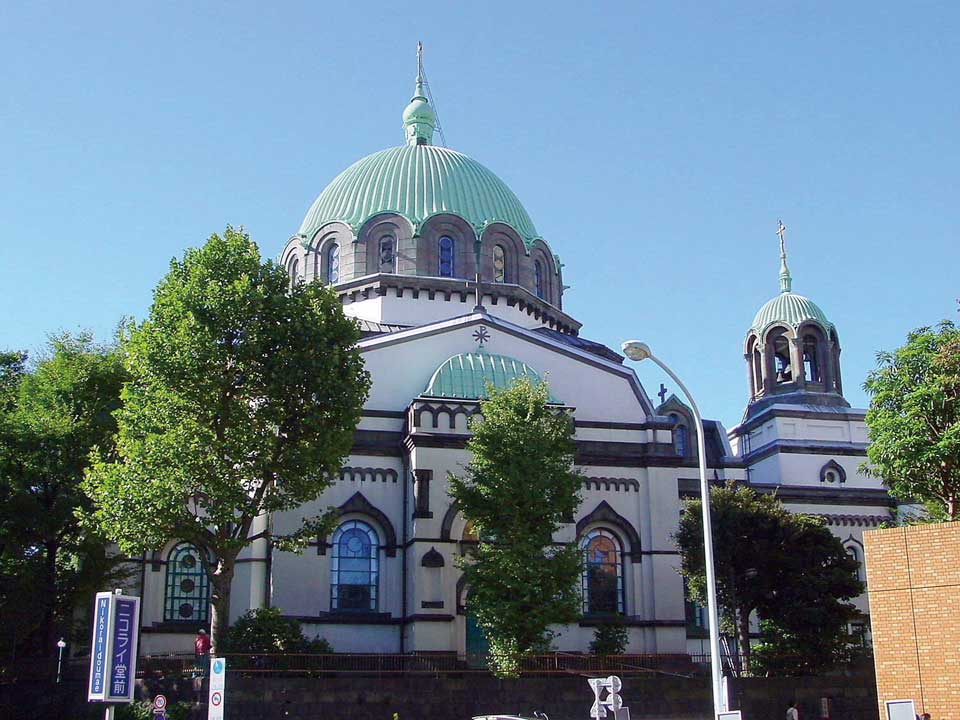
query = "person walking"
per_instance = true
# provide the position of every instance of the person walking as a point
(201, 647)
(792, 713)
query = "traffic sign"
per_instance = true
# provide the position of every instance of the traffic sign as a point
(218, 692)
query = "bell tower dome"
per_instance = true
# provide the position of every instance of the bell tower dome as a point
(792, 350)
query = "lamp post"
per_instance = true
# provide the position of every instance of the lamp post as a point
(60, 646)
(638, 351)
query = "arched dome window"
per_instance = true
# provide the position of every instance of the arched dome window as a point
(681, 435)
(445, 247)
(355, 568)
(602, 579)
(811, 367)
(333, 263)
(388, 263)
(499, 264)
(293, 269)
(781, 358)
(538, 278)
(187, 597)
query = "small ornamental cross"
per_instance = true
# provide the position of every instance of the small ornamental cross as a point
(781, 231)
(662, 393)
(481, 335)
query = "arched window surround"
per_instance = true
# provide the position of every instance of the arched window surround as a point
(603, 584)
(186, 595)
(355, 568)
(854, 548)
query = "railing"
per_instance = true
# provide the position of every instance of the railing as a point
(183, 665)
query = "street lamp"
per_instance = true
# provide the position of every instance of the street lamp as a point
(638, 351)
(60, 646)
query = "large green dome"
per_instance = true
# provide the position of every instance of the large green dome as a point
(790, 309)
(418, 181)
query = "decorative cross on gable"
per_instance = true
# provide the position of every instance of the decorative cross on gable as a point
(481, 335)
(662, 393)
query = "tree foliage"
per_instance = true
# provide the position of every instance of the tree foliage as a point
(243, 399)
(51, 416)
(788, 569)
(914, 419)
(265, 630)
(518, 489)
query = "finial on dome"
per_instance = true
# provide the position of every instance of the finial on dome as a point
(786, 282)
(419, 119)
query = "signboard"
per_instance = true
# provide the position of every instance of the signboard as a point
(113, 655)
(900, 710)
(218, 679)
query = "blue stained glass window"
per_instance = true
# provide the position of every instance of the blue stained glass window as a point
(681, 435)
(445, 248)
(187, 597)
(602, 579)
(538, 278)
(355, 568)
(333, 263)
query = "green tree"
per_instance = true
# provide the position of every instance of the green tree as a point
(51, 418)
(243, 399)
(914, 420)
(788, 569)
(517, 490)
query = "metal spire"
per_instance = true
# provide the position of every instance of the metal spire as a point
(419, 118)
(786, 282)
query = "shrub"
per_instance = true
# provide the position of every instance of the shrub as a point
(265, 630)
(610, 638)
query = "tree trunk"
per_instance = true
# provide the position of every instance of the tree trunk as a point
(48, 632)
(222, 580)
(744, 630)
(953, 507)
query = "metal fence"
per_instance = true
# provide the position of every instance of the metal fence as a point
(184, 665)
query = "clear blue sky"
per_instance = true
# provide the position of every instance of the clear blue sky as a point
(654, 145)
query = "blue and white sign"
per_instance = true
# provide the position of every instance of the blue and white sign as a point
(113, 657)
(218, 688)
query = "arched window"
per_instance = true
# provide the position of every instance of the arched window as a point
(602, 580)
(187, 597)
(681, 435)
(355, 568)
(538, 278)
(781, 359)
(499, 264)
(811, 368)
(388, 263)
(333, 263)
(854, 552)
(294, 271)
(445, 255)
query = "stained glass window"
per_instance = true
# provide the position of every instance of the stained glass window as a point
(446, 256)
(355, 569)
(499, 264)
(333, 263)
(681, 436)
(602, 580)
(187, 598)
(538, 278)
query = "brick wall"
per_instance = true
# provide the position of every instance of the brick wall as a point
(913, 579)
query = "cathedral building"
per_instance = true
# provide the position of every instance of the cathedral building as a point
(455, 290)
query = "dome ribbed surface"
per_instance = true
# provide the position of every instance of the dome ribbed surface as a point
(791, 309)
(418, 181)
(468, 375)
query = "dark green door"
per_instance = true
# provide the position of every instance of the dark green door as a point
(477, 645)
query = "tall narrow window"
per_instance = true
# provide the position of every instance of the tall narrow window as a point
(602, 580)
(781, 359)
(187, 597)
(388, 262)
(333, 263)
(854, 554)
(810, 366)
(355, 568)
(294, 271)
(445, 254)
(538, 278)
(681, 436)
(499, 264)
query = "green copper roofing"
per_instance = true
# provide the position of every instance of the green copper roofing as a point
(418, 181)
(791, 309)
(467, 375)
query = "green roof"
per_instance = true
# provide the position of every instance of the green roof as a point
(790, 309)
(468, 375)
(418, 181)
